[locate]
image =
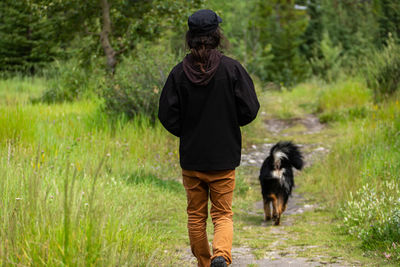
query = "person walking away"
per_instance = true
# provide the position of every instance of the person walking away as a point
(205, 100)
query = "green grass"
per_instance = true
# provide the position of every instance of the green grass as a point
(344, 94)
(367, 151)
(62, 213)
(344, 100)
(60, 207)
(19, 90)
(292, 103)
(365, 157)
(77, 188)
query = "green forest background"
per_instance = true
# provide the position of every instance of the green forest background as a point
(88, 176)
(283, 43)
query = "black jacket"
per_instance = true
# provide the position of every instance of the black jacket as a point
(207, 118)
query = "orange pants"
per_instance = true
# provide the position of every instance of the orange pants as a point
(219, 186)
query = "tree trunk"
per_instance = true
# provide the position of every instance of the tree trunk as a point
(104, 36)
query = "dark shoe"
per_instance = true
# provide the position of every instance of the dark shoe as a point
(218, 262)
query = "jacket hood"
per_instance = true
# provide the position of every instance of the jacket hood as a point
(193, 72)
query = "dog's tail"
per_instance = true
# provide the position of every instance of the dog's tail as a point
(287, 151)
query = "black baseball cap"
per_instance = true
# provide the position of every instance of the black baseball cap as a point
(203, 22)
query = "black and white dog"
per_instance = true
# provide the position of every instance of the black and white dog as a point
(276, 178)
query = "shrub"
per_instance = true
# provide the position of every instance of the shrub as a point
(374, 217)
(135, 88)
(68, 81)
(382, 70)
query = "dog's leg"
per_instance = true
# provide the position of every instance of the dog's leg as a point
(274, 206)
(278, 211)
(267, 209)
(278, 220)
(284, 206)
(281, 208)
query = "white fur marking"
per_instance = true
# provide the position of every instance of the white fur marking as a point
(278, 174)
(280, 155)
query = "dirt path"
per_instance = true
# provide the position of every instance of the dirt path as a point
(276, 252)
(254, 157)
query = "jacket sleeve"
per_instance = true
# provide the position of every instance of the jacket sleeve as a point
(169, 108)
(245, 95)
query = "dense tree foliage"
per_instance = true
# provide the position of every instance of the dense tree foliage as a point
(32, 31)
(278, 26)
(388, 18)
(28, 37)
(280, 41)
(312, 36)
(286, 41)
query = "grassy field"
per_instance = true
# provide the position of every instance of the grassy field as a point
(78, 190)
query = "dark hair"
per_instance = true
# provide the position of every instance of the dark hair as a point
(201, 45)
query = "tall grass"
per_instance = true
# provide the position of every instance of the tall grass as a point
(360, 175)
(295, 102)
(367, 152)
(71, 215)
(19, 90)
(344, 100)
(344, 94)
(59, 205)
(83, 130)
